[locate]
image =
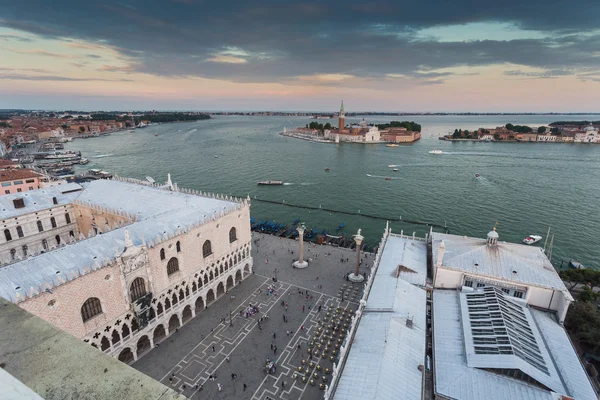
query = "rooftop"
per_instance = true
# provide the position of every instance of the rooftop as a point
(463, 374)
(22, 173)
(389, 345)
(506, 261)
(56, 365)
(161, 214)
(37, 200)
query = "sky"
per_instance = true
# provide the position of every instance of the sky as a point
(379, 55)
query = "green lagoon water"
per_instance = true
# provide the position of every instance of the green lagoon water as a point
(524, 187)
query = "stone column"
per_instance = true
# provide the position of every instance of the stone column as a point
(356, 277)
(300, 263)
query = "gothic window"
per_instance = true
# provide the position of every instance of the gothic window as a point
(232, 235)
(162, 254)
(68, 218)
(53, 222)
(13, 254)
(20, 231)
(206, 249)
(137, 289)
(24, 248)
(7, 235)
(178, 246)
(45, 244)
(40, 226)
(57, 237)
(172, 266)
(91, 308)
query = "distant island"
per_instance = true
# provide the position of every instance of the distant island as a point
(556, 132)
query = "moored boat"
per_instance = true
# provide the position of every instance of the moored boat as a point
(392, 145)
(270, 183)
(531, 239)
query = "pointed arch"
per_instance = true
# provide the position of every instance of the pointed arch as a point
(229, 282)
(159, 309)
(116, 338)
(167, 304)
(91, 308)
(134, 325)
(104, 343)
(220, 289)
(232, 235)
(143, 345)
(194, 287)
(186, 314)
(125, 331)
(210, 297)
(159, 333)
(181, 295)
(206, 249)
(126, 355)
(174, 323)
(162, 254)
(199, 304)
(172, 265)
(174, 299)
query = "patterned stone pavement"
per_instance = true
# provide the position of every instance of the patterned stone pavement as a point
(187, 358)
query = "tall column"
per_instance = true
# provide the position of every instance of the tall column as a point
(356, 277)
(300, 263)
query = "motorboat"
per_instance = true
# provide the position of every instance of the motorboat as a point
(477, 176)
(576, 265)
(387, 178)
(392, 145)
(531, 239)
(392, 166)
(270, 183)
(327, 169)
(395, 169)
(436, 151)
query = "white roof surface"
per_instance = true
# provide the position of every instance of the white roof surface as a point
(160, 212)
(383, 362)
(397, 251)
(455, 379)
(531, 265)
(37, 200)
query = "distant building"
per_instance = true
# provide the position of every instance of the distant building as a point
(546, 137)
(18, 180)
(121, 264)
(361, 133)
(399, 135)
(589, 135)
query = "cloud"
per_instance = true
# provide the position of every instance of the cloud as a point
(265, 41)
(43, 53)
(116, 68)
(546, 74)
(56, 78)
(15, 37)
(221, 58)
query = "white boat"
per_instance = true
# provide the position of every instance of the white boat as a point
(392, 166)
(477, 176)
(395, 169)
(531, 239)
(436, 151)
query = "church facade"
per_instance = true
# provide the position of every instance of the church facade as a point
(140, 260)
(358, 133)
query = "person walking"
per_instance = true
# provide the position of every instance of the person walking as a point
(274, 335)
(213, 349)
(245, 387)
(302, 307)
(220, 387)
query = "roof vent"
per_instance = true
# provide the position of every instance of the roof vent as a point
(19, 203)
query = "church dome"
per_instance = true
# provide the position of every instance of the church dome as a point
(493, 234)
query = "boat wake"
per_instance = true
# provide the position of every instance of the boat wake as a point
(381, 177)
(102, 155)
(287, 183)
(306, 184)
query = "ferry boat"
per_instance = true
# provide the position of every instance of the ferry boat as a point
(531, 239)
(436, 151)
(270, 183)
(392, 145)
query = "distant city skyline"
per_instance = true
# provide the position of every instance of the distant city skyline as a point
(378, 56)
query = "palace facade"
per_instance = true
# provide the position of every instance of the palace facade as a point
(121, 264)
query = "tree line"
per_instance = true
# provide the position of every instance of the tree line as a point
(409, 125)
(583, 317)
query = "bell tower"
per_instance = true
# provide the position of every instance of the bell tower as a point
(341, 123)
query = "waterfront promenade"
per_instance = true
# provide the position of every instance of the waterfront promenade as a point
(208, 345)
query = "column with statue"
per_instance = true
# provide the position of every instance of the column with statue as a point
(355, 276)
(300, 263)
